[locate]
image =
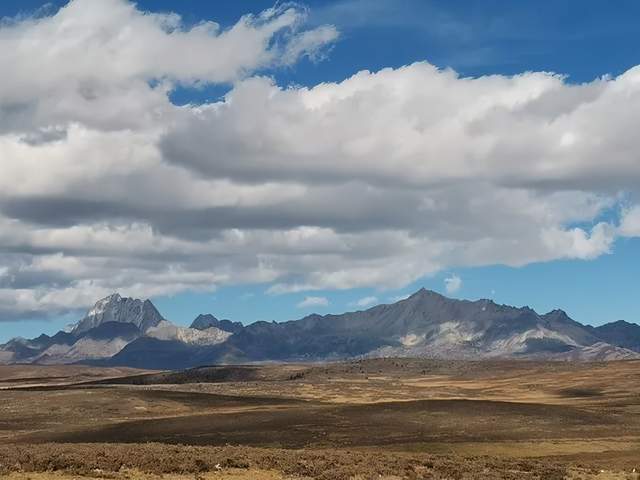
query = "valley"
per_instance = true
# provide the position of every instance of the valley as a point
(369, 418)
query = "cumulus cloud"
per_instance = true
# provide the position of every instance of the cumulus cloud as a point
(372, 181)
(452, 284)
(365, 302)
(108, 65)
(311, 302)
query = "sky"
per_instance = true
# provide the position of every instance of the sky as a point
(264, 161)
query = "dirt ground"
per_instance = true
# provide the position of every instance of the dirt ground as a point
(12, 376)
(390, 418)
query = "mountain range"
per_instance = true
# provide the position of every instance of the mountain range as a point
(121, 331)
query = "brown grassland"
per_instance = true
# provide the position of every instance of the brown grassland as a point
(382, 419)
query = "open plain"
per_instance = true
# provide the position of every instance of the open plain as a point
(385, 418)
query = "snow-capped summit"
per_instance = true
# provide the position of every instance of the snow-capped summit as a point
(114, 308)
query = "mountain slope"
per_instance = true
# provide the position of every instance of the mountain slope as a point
(425, 324)
(191, 336)
(622, 334)
(598, 352)
(123, 331)
(21, 350)
(102, 341)
(109, 326)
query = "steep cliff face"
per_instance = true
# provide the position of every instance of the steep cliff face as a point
(114, 308)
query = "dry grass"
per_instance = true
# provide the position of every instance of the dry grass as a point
(230, 474)
(406, 418)
(159, 459)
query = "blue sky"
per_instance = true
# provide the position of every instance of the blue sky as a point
(582, 40)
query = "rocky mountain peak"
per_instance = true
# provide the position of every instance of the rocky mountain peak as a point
(205, 321)
(622, 323)
(115, 308)
(423, 298)
(423, 294)
(557, 313)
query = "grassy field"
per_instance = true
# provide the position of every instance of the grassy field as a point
(391, 418)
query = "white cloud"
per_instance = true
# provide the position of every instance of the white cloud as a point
(307, 43)
(577, 243)
(630, 224)
(373, 181)
(93, 61)
(365, 302)
(311, 302)
(452, 284)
